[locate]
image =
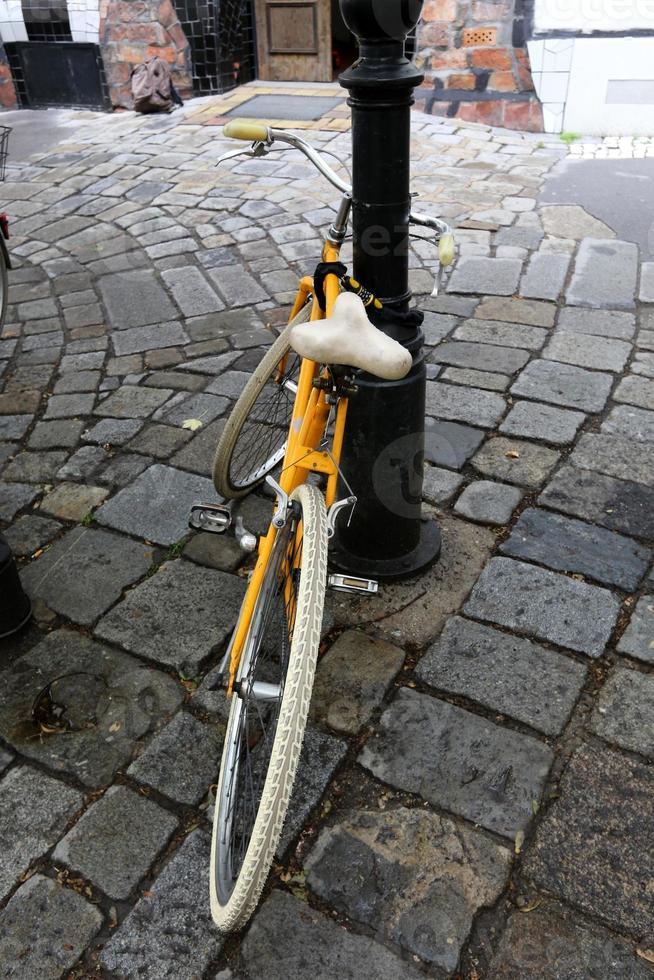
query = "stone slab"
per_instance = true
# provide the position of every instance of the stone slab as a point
(289, 938)
(459, 404)
(439, 485)
(488, 502)
(134, 299)
(478, 274)
(13, 497)
(352, 679)
(44, 930)
(636, 423)
(155, 337)
(450, 444)
(116, 841)
(72, 501)
(605, 274)
(109, 701)
(320, 757)
(156, 505)
(177, 617)
(414, 611)
(38, 467)
(569, 545)
(595, 845)
(617, 456)
(133, 402)
(534, 420)
(98, 566)
(30, 533)
(564, 384)
(545, 275)
(182, 761)
(551, 944)
(514, 310)
(112, 432)
(64, 433)
(198, 455)
(476, 379)
(502, 334)
(636, 391)
(484, 357)
(504, 673)
(69, 406)
(516, 461)
(169, 934)
(638, 638)
(458, 761)
(34, 811)
(415, 878)
(546, 605)
(624, 714)
(597, 323)
(14, 426)
(620, 505)
(597, 353)
(192, 292)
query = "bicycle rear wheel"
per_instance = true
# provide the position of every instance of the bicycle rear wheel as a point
(253, 441)
(269, 710)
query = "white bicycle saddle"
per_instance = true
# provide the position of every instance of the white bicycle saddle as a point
(348, 337)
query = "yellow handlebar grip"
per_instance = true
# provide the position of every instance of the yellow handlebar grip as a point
(242, 130)
(446, 250)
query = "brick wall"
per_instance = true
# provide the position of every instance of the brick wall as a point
(475, 61)
(8, 98)
(131, 31)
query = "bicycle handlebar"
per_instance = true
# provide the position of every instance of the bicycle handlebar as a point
(262, 136)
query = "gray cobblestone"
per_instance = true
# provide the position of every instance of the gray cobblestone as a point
(604, 275)
(44, 929)
(458, 761)
(545, 275)
(169, 934)
(483, 357)
(624, 714)
(477, 274)
(192, 292)
(598, 353)
(624, 420)
(514, 676)
(534, 420)
(543, 604)
(636, 641)
(182, 761)
(153, 619)
(573, 546)
(34, 811)
(116, 840)
(636, 391)
(471, 405)
(488, 502)
(620, 505)
(564, 384)
(516, 461)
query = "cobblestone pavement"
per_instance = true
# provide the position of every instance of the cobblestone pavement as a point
(475, 793)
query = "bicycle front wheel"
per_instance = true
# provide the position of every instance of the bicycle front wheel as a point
(269, 711)
(253, 441)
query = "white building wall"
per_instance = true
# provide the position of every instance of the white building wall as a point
(594, 85)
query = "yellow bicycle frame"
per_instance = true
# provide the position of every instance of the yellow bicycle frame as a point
(308, 423)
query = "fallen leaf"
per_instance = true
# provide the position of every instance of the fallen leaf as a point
(115, 727)
(512, 454)
(532, 907)
(519, 841)
(192, 424)
(646, 954)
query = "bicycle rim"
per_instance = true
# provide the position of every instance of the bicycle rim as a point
(253, 441)
(268, 713)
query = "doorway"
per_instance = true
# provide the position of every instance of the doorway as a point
(302, 40)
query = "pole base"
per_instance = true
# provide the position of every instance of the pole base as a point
(426, 553)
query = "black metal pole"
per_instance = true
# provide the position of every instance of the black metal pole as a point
(384, 444)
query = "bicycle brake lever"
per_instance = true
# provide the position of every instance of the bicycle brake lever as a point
(257, 149)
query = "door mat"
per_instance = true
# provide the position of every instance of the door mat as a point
(285, 106)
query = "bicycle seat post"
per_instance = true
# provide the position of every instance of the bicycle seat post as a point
(384, 443)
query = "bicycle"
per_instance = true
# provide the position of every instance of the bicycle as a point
(5, 262)
(292, 411)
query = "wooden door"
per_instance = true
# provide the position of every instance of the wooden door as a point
(294, 40)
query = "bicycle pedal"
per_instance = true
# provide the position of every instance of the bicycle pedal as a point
(215, 518)
(350, 583)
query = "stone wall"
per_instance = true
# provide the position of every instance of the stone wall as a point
(474, 56)
(132, 31)
(8, 97)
